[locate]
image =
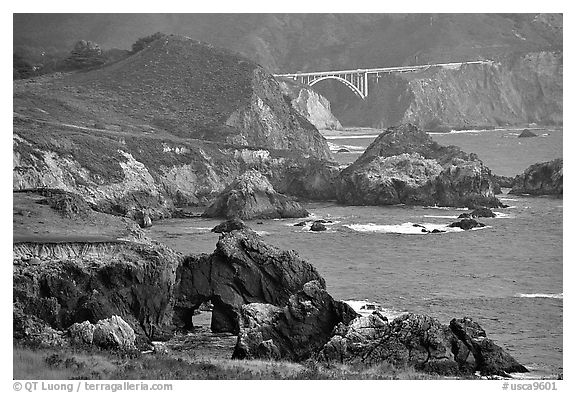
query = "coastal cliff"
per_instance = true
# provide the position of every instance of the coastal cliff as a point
(517, 89)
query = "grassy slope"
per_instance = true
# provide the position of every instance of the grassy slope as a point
(39, 364)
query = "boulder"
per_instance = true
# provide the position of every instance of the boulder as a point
(489, 358)
(233, 224)
(527, 134)
(540, 179)
(143, 218)
(243, 269)
(477, 213)
(293, 332)
(317, 226)
(251, 196)
(466, 224)
(113, 333)
(81, 333)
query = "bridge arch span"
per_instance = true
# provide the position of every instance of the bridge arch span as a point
(342, 80)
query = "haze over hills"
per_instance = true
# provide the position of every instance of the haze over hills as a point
(293, 42)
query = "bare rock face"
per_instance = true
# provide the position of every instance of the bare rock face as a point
(113, 332)
(419, 341)
(404, 165)
(81, 333)
(540, 179)
(77, 282)
(292, 332)
(243, 269)
(490, 359)
(251, 196)
(313, 106)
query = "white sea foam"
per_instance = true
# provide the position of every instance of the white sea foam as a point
(362, 136)
(447, 217)
(387, 312)
(509, 199)
(406, 228)
(542, 295)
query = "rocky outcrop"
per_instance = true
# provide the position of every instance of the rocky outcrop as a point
(419, 341)
(313, 106)
(466, 224)
(317, 226)
(540, 179)
(229, 226)
(243, 269)
(480, 212)
(77, 282)
(109, 333)
(404, 165)
(527, 134)
(292, 332)
(251, 196)
(489, 358)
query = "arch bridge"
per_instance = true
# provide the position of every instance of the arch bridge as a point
(360, 79)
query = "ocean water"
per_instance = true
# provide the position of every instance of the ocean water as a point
(507, 276)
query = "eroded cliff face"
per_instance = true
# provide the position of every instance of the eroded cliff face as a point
(311, 105)
(133, 173)
(515, 90)
(68, 282)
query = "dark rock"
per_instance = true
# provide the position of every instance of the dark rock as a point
(418, 225)
(143, 218)
(477, 213)
(343, 150)
(293, 332)
(527, 134)
(503, 181)
(66, 203)
(317, 226)
(437, 231)
(301, 224)
(466, 224)
(415, 340)
(419, 341)
(90, 282)
(540, 179)
(229, 226)
(243, 269)
(252, 196)
(490, 359)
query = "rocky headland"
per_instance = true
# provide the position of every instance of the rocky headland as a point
(404, 165)
(540, 179)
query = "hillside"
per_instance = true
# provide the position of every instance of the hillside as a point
(181, 87)
(169, 126)
(293, 42)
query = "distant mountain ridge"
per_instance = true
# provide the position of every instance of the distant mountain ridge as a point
(303, 42)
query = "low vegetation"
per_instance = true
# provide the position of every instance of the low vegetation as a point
(66, 364)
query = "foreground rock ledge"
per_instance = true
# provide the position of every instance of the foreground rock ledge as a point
(251, 196)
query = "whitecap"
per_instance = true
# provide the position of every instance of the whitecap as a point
(508, 199)
(387, 312)
(361, 136)
(502, 215)
(262, 233)
(542, 295)
(447, 217)
(406, 228)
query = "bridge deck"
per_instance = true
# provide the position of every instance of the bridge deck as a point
(383, 70)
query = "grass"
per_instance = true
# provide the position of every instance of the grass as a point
(89, 363)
